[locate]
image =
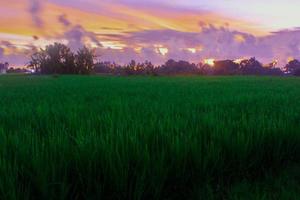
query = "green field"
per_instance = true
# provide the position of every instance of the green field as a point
(137, 138)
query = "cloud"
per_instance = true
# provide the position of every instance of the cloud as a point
(16, 58)
(35, 9)
(125, 55)
(1, 53)
(141, 28)
(211, 42)
(63, 20)
(11, 54)
(35, 37)
(284, 44)
(78, 37)
(7, 44)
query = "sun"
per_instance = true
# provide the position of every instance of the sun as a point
(210, 62)
(163, 51)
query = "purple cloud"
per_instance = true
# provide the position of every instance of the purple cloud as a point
(63, 20)
(35, 9)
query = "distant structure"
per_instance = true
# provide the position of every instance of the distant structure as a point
(3, 67)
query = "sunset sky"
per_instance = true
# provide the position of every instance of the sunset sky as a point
(156, 30)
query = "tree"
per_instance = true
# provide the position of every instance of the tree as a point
(54, 59)
(293, 67)
(225, 67)
(59, 59)
(130, 69)
(104, 67)
(251, 67)
(38, 61)
(180, 67)
(149, 68)
(205, 69)
(84, 61)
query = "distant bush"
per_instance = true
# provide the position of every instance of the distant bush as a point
(133, 68)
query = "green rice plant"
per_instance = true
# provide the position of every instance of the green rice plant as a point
(101, 137)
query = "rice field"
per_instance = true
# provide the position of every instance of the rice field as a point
(137, 138)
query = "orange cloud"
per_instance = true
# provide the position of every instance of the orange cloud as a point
(117, 19)
(124, 27)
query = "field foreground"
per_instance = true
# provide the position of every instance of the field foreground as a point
(137, 138)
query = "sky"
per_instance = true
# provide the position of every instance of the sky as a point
(155, 30)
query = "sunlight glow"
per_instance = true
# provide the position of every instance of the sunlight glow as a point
(290, 59)
(192, 50)
(239, 38)
(160, 49)
(239, 60)
(210, 62)
(138, 49)
(113, 45)
(274, 63)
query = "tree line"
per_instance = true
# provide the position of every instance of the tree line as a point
(59, 59)
(223, 67)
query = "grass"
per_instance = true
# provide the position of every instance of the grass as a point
(136, 138)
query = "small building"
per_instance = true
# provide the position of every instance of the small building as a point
(3, 68)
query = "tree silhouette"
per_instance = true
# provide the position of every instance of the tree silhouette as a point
(180, 67)
(225, 67)
(251, 67)
(59, 59)
(54, 59)
(293, 67)
(84, 61)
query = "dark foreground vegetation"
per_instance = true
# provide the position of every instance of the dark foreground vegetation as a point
(59, 59)
(137, 138)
